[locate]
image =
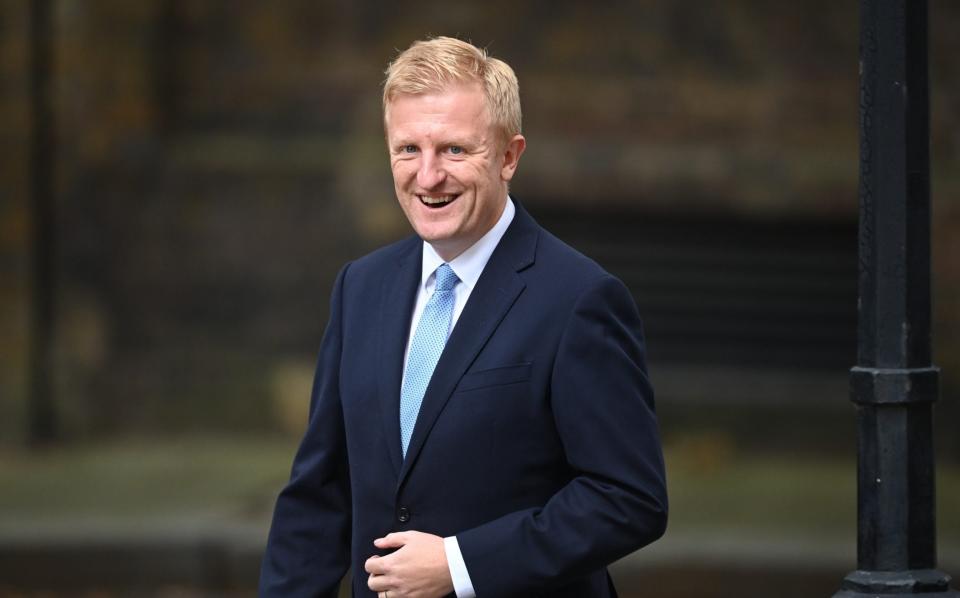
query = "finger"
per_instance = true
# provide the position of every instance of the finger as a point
(394, 540)
(379, 583)
(375, 566)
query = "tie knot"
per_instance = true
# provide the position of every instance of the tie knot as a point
(446, 278)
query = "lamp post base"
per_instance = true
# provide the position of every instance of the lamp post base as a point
(874, 584)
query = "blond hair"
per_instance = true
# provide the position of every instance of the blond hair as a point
(433, 64)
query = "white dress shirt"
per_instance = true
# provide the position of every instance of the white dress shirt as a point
(467, 266)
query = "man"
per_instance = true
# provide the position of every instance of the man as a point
(481, 421)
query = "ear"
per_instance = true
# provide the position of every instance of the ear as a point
(511, 156)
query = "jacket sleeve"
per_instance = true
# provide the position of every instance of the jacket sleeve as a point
(615, 501)
(308, 549)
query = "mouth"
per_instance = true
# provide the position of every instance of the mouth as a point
(437, 201)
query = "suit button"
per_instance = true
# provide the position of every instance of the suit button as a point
(403, 515)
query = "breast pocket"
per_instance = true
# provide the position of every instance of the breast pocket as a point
(501, 376)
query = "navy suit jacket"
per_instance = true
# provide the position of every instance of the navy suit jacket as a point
(536, 443)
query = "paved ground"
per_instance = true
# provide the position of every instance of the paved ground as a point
(188, 519)
(194, 557)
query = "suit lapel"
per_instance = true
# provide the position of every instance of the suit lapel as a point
(497, 288)
(397, 297)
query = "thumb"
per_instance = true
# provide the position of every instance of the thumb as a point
(394, 540)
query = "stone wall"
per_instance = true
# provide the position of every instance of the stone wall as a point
(218, 161)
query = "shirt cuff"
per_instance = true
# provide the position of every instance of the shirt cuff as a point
(458, 569)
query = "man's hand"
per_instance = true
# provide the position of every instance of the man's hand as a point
(418, 569)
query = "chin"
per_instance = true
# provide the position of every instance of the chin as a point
(436, 229)
(434, 236)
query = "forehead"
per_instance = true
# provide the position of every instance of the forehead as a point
(460, 108)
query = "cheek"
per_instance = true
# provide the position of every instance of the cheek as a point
(471, 174)
(402, 173)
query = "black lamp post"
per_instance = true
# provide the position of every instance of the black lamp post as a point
(895, 384)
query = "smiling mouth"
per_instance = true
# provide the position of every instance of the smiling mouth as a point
(437, 201)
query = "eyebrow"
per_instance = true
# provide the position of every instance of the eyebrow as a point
(458, 141)
(441, 139)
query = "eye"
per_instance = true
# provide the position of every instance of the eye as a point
(456, 150)
(408, 149)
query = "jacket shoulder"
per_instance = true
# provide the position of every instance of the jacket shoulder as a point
(554, 255)
(388, 256)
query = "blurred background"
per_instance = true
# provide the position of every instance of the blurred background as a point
(213, 163)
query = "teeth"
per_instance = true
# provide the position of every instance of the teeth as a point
(436, 200)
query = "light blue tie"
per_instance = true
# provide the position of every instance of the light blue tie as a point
(425, 349)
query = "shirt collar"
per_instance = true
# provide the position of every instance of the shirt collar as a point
(468, 265)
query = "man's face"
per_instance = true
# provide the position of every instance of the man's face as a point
(450, 170)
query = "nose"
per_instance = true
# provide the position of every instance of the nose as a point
(431, 173)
